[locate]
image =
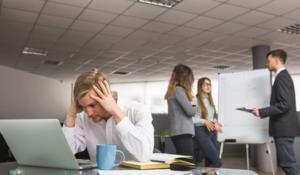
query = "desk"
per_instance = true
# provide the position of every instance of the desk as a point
(12, 168)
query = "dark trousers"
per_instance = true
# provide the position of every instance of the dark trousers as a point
(207, 142)
(286, 155)
(184, 145)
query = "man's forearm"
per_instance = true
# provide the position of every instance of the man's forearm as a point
(70, 121)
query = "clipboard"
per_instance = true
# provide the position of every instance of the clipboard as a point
(244, 109)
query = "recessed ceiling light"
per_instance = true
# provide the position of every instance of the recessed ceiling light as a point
(35, 51)
(161, 3)
(292, 29)
(120, 73)
(221, 67)
(52, 62)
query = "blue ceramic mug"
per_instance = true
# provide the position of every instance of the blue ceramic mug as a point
(106, 155)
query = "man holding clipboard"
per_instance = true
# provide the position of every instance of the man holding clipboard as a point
(283, 121)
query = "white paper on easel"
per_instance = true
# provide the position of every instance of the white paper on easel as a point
(141, 172)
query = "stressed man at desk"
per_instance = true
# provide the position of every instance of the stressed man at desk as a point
(96, 116)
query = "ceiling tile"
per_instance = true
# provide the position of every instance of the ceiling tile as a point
(278, 7)
(116, 31)
(78, 35)
(36, 44)
(154, 59)
(50, 31)
(97, 16)
(226, 12)
(253, 18)
(277, 23)
(234, 49)
(218, 61)
(61, 10)
(201, 59)
(169, 39)
(76, 42)
(215, 54)
(18, 15)
(15, 26)
(252, 32)
(197, 52)
(158, 27)
(184, 32)
(12, 34)
(175, 17)
(87, 26)
(164, 54)
(54, 21)
(112, 6)
(178, 49)
(196, 6)
(145, 11)
(143, 35)
(96, 45)
(191, 42)
(112, 54)
(293, 15)
(43, 39)
(144, 51)
(270, 37)
(129, 22)
(132, 42)
(105, 39)
(229, 28)
(155, 45)
(78, 3)
(203, 22)
(248, 4)
(213, 46)
(209, 36)
(234, 57)
(251, 43)
(290, 40)
(28, 5)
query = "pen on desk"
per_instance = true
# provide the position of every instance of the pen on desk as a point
(160, 161)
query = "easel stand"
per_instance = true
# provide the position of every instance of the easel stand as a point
(247, 152)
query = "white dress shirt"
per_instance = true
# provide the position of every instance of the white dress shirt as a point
(133, 135)
(278, 72)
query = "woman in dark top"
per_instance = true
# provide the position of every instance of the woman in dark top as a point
(180, 110)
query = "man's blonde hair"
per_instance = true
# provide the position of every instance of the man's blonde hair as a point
(85, 82)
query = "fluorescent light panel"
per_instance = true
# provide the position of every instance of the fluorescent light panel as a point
(35, 51)
(292, 29)
(161, 3)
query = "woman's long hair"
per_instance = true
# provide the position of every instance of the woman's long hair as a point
(200, 98)
(184, 78)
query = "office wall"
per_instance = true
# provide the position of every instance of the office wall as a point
(24, 95)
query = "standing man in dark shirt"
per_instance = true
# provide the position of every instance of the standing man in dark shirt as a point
(283, 122)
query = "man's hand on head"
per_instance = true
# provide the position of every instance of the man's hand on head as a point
(71, 116)
(107, 101)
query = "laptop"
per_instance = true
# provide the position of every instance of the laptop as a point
(42, 143)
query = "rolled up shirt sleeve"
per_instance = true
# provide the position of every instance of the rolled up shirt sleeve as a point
(75, 136)
(137, 135)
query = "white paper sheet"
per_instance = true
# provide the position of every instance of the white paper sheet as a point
(141, 172)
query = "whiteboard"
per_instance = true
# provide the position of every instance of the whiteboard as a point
(249, 89)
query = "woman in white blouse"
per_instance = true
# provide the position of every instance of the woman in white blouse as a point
(206, 124)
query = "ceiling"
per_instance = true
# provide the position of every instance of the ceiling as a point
(145, 40)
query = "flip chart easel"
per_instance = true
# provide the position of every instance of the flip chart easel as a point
(247, 152)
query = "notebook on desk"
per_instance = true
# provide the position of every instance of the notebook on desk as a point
(40, 142)
(159, 160)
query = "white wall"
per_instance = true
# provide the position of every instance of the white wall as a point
(152, 93)
(24, 95)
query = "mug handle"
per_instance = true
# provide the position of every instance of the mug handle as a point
(118, 151)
